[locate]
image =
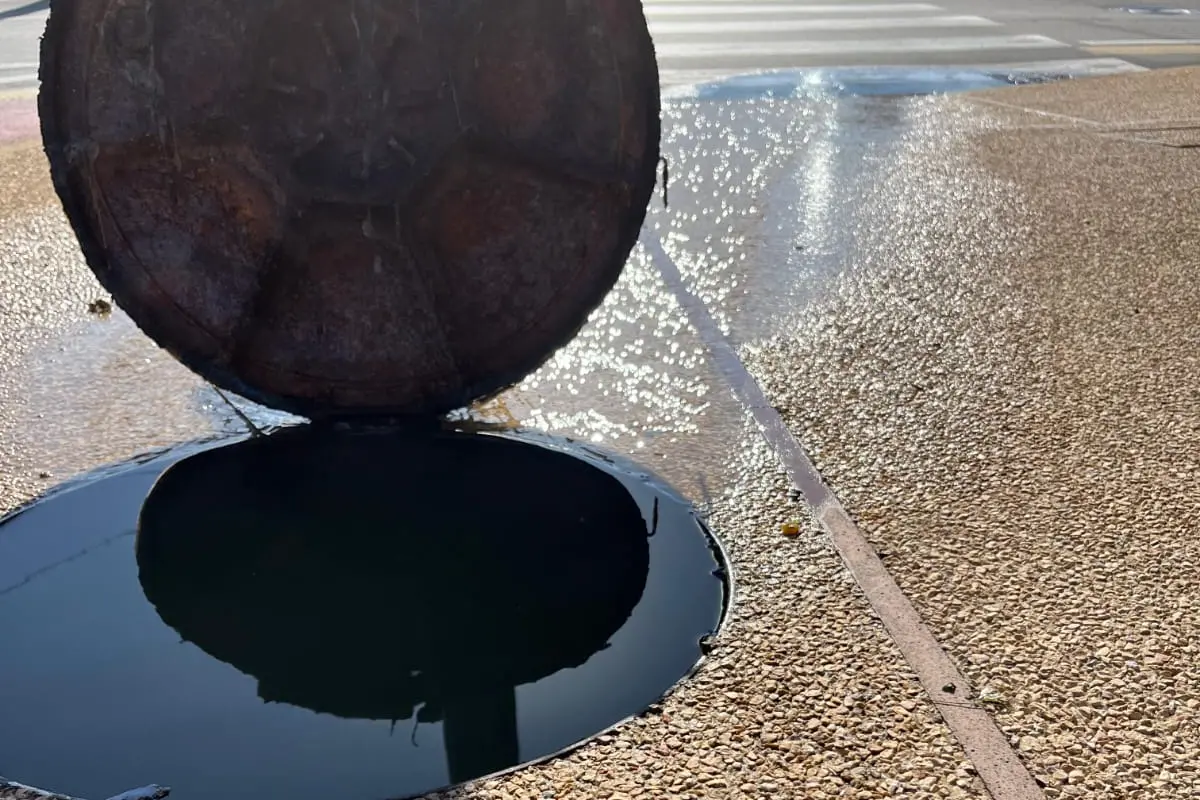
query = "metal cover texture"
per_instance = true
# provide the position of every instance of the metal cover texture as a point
(339, 207)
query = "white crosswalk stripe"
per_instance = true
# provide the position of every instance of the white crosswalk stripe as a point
(18, 74)
(726, 37)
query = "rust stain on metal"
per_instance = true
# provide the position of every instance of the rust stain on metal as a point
(358, 206)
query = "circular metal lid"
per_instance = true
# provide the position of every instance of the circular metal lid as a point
(354, 206)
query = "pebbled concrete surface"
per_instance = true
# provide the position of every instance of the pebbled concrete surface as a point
(1005, 396)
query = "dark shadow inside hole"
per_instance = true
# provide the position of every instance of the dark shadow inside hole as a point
(387, 576)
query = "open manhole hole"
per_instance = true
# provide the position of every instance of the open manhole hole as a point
(318, 614)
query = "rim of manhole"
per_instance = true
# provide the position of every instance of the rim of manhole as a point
(314, 587)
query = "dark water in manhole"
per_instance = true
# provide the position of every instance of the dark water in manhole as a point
(321, 614)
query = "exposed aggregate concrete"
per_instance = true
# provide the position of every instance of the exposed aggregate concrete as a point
(1011, 409)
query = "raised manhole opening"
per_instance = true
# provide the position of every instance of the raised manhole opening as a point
(362, 615)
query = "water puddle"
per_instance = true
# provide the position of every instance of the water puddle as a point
(863, 81)
(1156, 11)
(787, 183)
(322, 613)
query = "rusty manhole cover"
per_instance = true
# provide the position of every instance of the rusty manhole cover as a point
(359, 206)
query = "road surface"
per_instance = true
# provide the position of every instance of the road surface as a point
(712, 38)
(701, 38)
(21, 24)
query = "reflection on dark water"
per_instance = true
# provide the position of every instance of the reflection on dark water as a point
(362, 615)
